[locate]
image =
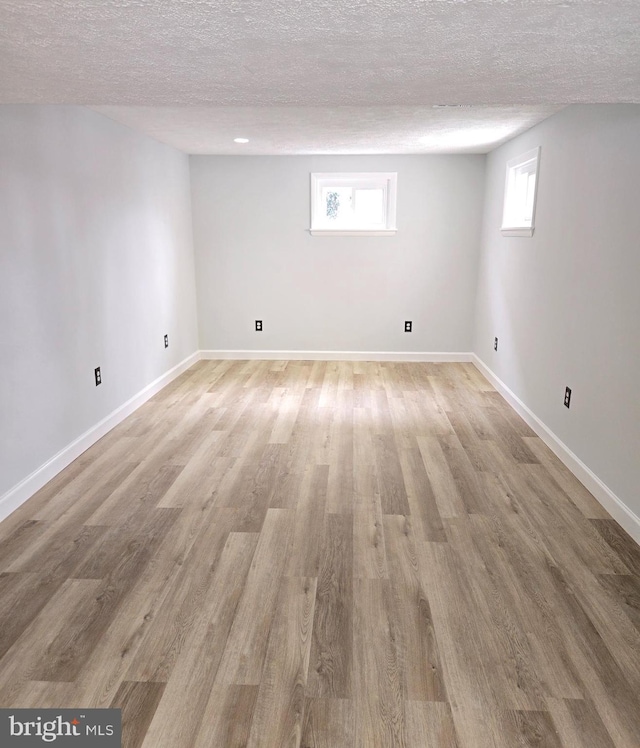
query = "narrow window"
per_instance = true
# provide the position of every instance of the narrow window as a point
(520, 194)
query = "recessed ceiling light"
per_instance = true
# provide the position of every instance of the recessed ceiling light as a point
(241, 140)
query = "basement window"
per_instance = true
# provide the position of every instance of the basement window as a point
(353, 204)
(520, 194)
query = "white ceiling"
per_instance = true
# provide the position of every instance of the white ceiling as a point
(296, 130)
(319, 75)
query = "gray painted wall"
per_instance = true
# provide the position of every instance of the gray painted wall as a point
(96, 264)
(565, 303)
(255, 258)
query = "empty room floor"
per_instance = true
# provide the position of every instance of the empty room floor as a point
(325, 555)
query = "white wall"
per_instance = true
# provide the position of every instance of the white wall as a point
(96, 265)
(565, 303)
(255, 258)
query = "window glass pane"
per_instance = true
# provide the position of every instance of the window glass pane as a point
(369, 206)
(520, 197)
(528, 206)
(336, 202)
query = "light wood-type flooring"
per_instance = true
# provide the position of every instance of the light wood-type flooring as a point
(325, 555)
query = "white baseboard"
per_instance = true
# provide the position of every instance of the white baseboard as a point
(336, 356)
(612, 503)
(17, 495)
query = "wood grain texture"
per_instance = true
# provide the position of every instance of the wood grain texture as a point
(228, 718)
(331, 650)
(138, 702)
(325, 555)
(279, 709)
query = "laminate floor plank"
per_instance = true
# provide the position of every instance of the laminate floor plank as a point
(514, 668)
(57, 549)
(340, 483)
(142, 489)
(138, 702)
(23, 536)
(251, 493)
(467, 480)
(82, 496)
(228, 717)
(627, 551)
(328, 723)
(379, 684)
(472, 663)
(511, 441)
(578, 724)
(417, 644)
(626, 589)
(318, 554)
(278, 715)
(183, 605)
(521, 585)
(308, 531)
(43, 497)
(580, 496)
(21, 661)
(393, 492)
(421, 497)
(601, 558)
(381, 421)
(430, 723)
(363, 454)
(428, 418)
(197, 481)
(401, 418)
(606, 683)
(117, 649)
(369, 552)
(29, 593)
(286, 419)
(246, 648)
(68, 651)
(181, 710)
(446, 492)
(332, 643)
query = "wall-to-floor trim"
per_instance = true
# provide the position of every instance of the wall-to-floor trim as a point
(337, 356)
(612, 503)
(17, 495)
(24, 490)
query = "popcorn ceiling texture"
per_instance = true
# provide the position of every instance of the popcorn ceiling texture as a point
(319, 52)
(321, 76)
(317, 130)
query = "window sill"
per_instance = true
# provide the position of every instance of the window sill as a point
(517, 232)
(352, 232)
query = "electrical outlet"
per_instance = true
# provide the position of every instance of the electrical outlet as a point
(567, 397)
(166, 341)
(258, 325)
(408, 325)
(495, 344)
(98, 376)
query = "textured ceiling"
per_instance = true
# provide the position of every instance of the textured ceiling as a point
(400, 55)
(296, 130)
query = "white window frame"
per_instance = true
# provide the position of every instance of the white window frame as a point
(387, 181)
(528, 162)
